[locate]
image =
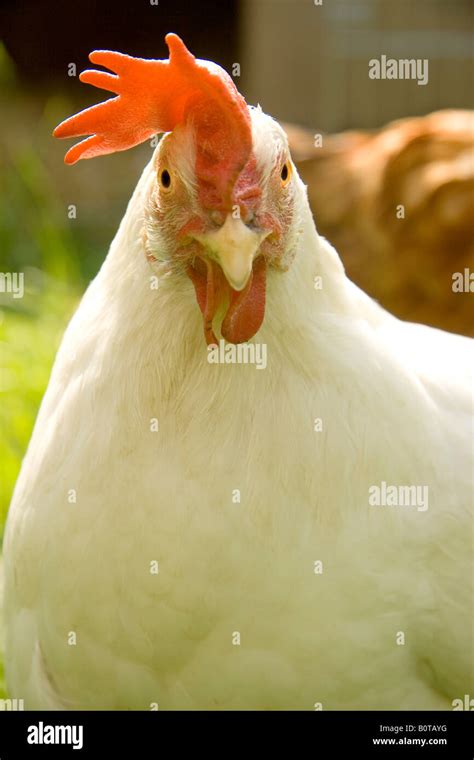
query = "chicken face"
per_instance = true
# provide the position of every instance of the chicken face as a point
(225, 243)
(222, 207)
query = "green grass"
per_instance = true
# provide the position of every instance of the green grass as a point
(28, 342)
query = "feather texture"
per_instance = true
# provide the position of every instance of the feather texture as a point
(394, 401)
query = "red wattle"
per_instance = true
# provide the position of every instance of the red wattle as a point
(246, 308)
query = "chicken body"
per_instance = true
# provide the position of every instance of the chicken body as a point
(196, 535)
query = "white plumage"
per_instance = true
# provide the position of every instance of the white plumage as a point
(395, 404)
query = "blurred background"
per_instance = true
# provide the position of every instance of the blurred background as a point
(364, 147)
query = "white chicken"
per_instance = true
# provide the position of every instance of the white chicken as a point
(192, 534)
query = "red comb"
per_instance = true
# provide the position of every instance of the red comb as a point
(156, 96)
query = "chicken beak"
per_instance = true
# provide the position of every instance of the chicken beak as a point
(234, 246)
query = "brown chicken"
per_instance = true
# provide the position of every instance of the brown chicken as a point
(398, 204)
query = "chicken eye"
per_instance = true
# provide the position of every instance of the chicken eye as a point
(285, 174)
(165, 179)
